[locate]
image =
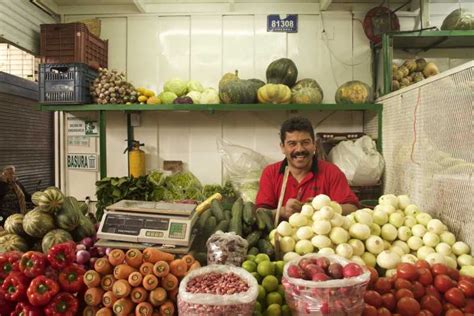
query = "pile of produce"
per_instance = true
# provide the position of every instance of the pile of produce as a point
(111, 87)
(459, 19)
(55, 219)
(412, 71)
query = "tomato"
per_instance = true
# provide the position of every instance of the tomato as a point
(425, 312)
(407, 271)
(425, 276)
(422, 264)
(402, 284)
(443, 283)
(431, 303)
(408, 306)
(431, 290)
(453, 274)
(466, 287)
(466, 278)
(373, 276)
(382, 311)
(403, 293)
(454, 312)
(389, 301)
(418, 290)
(455, 296)
(383, 285)
(369, 310)
(373, 298)
(469, 308)
(439, 268)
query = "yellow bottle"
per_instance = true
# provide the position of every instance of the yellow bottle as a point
(136, 160)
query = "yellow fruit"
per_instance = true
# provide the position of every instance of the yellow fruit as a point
(149, 93)
(142, 98)
(153, 100)
(141, 90)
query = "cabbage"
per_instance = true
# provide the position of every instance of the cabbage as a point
(195, 95)
(156, 178)
(183, 185)
(209, 96)
(177, 86)
(194, 85)
(167, 97)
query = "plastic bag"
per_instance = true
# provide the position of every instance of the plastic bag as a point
(339, 296)
(242, 303)
(359, 160)
(226, 248)
(243, 168)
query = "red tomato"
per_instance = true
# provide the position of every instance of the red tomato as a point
(448, 306)
(425, 312)
(404, 293)
(373, 277)
(453, 274)
(443, 283)
(439, 268)
(455, 296)
(373, 298)
(454, 312)
(425, 276)
(431, 303)
(382, 311)
(407, 271)
(422, 264)
(408, 306)
(402, 284)
(418, 290)
(469, 308)
(431, 290)
(466, 278)
(466, 287)
(369, 310)
(383, 285)
(389, 301)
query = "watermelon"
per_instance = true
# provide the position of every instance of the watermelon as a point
(51, 200)
(459, 19)
(68, 216)
(14, 224)
(37, 223)
(11, 242)
(56, 236)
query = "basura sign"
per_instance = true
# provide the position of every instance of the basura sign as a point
(82, 161)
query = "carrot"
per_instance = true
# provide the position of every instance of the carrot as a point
(107, 282)
(157, 296)
(150, 281)
(167, 308)
(178, 267)
(144, 309)
(93, 296)
(121, 288)
(122, 271)
(92, 278)
(108, 299)
(138, 295)
(146, 268)
(194, 266)
(154, 255)
(161, 268)
(169, 282)
(90, 311)
(189, 259)
(135, 279)
(116, 257)
(134, 258)
(173, 294)
(103, 266)
(104, 312)
(123, 307)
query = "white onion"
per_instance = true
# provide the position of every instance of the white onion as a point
(423, 218)
(337, 220)
(303, 247)
(436, 226)
(435, 257)
(369, 259)
(380, 217)
(388, 259)
(321, 241)
(344, 250)
(307, 210)
(398, 250)
(326, 251)
(374, 244)
(461, 248)
(411, 209)
(290, 256)
(465, 260)
(443, 248)
(390, 272)
(287, 244)
(448, 238)
(409, 258)
(430, 239)
(322, 227)
(415, 242)
(418, 230)
(424, 251)
(339, 235)
(402, 245)
(410, 221)
(284, 229)
(297, 220)
(403, 201)
(363, 217)
(326, 212)
(375, 229)
(357, 260)
(396, 219)
(389, 232)
(358, 247)
(319, 201)
(359, 231)
(404, 233)
(304, 232)
(336, 207)
(450, 262)
(389, 199)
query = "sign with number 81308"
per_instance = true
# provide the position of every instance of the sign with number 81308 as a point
(278, 23)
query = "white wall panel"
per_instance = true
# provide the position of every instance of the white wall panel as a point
(116, 128)
(115, 31)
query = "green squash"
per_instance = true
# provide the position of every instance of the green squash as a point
(233, 90)
(307, 91)
(459, 19)
(85, 229)
(14, 224)
(54, 237)
(10, 242)
(353, 92)
(282, 71)
(37, 223)
(69, 215)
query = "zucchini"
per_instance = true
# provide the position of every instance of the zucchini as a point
(264, 246)
(217, 211)
(223, 226)
(248, 213)
(253, 238)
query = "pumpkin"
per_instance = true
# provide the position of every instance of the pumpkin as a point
(233, 90)
(51, 200)
(68, 216)
(459, 19)
(11, 242)
(282, 71)
(274, 93)
(307, 91)
(37, 223)
(54, 237)
(14, 224)
(353, 92)
(410, 64)
(85, 229)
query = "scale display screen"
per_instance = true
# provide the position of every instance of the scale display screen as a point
(131, 225)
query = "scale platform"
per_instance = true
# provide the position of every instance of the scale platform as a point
(155, 223)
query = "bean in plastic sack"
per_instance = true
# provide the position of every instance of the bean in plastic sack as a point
(217, 290)
(359, 160)
(226, 248)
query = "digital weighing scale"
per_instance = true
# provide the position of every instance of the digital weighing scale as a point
(142, 224)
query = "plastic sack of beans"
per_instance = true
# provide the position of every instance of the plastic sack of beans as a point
(226, 248)
(217, 290)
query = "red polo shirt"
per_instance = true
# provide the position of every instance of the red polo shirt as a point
(324, 178)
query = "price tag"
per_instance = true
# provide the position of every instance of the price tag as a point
(281, 23)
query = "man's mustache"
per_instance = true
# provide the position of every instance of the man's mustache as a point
(304, 153)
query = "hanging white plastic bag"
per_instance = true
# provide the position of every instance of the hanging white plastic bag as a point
(359, 160)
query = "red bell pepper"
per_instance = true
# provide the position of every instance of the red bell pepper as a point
(14, 286)
(25, 309)
(6, 307)
(41, 290)
(71, 278)
(63, 304)
(62, 255)
(9, 261)
(33, 263)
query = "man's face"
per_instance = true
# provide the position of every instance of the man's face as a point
(299, 149)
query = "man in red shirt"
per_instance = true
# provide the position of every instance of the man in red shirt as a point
(308, 176)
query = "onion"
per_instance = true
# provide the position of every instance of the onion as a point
(322, 227)
(307, 210)
(430, 239)
(396, 219)
(443, 248)
(304, 232)
(403, 201)
(290, 256)
(363, 217)
(380, 217)
(303, 247)
(82, 256)
(81, 247)
(415, 242)
(92, 261)
(389, 199)
(344, 250)
(410, 221)
(465, 260)
(88, 242)
(339, 235)
(284, 228)
(435, 257)
(338, 220)
(374, 244)
(319, 201)
(358, 247)
(460, 248)
(412, 210)
(375, 229)
(326, 251)
(424, 251)
(409, 258)
(108, 250)
(321, 241)
(327, 212)
(336, 207)
(418, 230)
(287, 244)
(435, 226)
(448, 238)
(101, 251)
(404, 233)
(298, 220)
(402, 245)
(423, 218)
(388, 259)
(369, 259)
(389, 232)
(360, 231)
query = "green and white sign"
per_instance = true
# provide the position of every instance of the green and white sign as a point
(82, 161)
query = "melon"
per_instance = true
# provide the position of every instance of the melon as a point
(353, 92)
(307, 91)
(54, 237)
(85, 229)
(12, 242)
(51, 200)
(68, 216)
(14, 224)
(35, 197)
(459, 19)
(36, 223)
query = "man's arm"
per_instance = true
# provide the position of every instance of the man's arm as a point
(348, 208)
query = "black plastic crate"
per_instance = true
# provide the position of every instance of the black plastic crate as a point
(65, 83)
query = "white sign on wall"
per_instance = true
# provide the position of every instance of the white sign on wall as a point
(82, 161)
(79, 127)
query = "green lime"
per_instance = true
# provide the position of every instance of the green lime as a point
(279, 267)
(261, 257)
(270, 283)
(274, 298)
(273, 310)
(281, 290)
(250, 266)
(257, 277)
(261, 294)
(250, 257)
(258, 306)
(285, 310)
(265, 268)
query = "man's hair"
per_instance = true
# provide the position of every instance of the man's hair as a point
(10, 167)
(296, 124)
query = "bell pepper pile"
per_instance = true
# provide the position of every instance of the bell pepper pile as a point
(38, 284)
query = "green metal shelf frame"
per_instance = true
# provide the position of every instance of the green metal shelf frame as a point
(211, 108)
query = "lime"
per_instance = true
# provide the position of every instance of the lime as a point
(258, 306)
(250, 266)
(281, 290)
(250, 257)
(285, 310)
(257, 277)
(274, 298)
(270, 283)
(273, 310)
(261, 294)
(261, 257)
(265, 268)
(279, 267)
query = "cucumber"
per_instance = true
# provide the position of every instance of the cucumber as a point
(260, 221)
(217, 211)
(267, 219)
(246, 229)
(211, 224)
(253, 238)
(236, 221)
(227, 215)
(248, 213)
(237, 208)
(223, 226)
(264, 246)
(201, 223)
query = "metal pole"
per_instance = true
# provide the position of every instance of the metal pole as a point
(102, 144)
